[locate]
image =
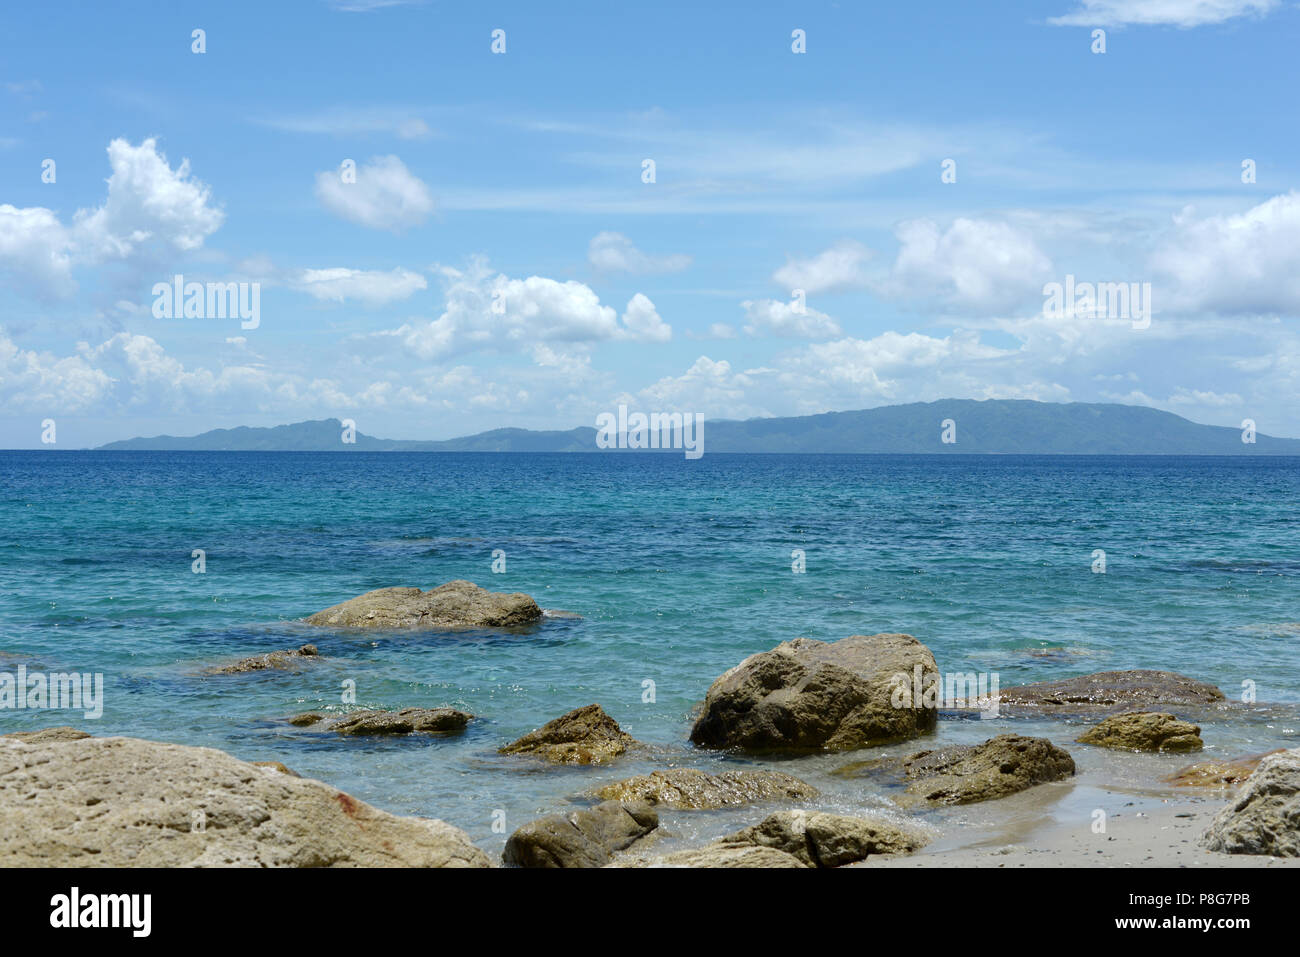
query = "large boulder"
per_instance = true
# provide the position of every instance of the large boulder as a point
(1144, 731)
(1265, 816)
(457, 604)
(829, 840)
(124, 802)
(807, 695)
(288, 660)
(584, 735)
(1109, 691)
(965, 774)
(693, 789)
(1221, 773)
(406, 721)
(583, 838)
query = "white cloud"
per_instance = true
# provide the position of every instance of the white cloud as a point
(773, 317)
(643, 323)
(398, 122)
(614, 252)
(708, 386)
(385, 195)
(372, 287)
(1248, 263)
(840, 267)
(975, 265)
(147, 202)
(36, 248)
(150, 209)
(486, 312)
(1179, 13)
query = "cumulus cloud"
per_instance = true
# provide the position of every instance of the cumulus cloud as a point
(708, 386)
(1248, 263)
(1178, 13)
(36, 248)
(642, 321)
(372, 287)
(614, 252)
(774, 317)
(493, 312)
(386, 195)
(973, 265)
(150, 209)
(842, 266)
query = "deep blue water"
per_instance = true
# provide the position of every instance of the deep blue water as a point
(678, 570)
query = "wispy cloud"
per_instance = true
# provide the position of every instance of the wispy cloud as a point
(1177, 13)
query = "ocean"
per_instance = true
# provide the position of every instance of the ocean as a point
(672, 570)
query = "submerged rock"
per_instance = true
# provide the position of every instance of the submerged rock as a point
(406, 721)
(286, 660)
(1219, 774)
(585, 838)
(719, 855)
(808, 695)
(1110, 691)
(125, 802)
(1265, 816)
(457, 604)
(583, 736)
(829, 840)
(48, 735)
(690, 788)
(965, 774)
(1144, 731)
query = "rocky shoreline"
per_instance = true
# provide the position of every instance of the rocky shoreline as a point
(68, 798)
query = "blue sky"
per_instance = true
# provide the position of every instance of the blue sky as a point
(517, 177)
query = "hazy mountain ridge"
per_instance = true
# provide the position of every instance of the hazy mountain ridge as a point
(995, 426)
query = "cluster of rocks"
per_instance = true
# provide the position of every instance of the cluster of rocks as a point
(67, 798)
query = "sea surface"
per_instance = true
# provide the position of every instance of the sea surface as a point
(672, 571)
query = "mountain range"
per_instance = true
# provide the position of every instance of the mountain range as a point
(996, 426)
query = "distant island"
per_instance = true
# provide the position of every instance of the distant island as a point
(990, 426)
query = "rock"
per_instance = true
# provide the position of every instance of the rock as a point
(124, 802)
(406, 721)
(1219, 774)
(1000, 766)
(1265, 817)
(457, 604)
(275, 766)
(690, 788)
(48, 735)
(585, 838)
(829, 840)
(278, 660)
(1110, 691)
(719, 855)
(583, 736)
(808, 695)
(1144, 731)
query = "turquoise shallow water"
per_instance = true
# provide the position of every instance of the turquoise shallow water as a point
(678, 570)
